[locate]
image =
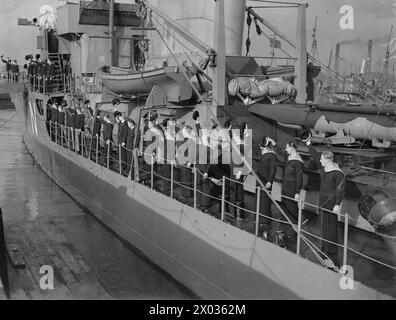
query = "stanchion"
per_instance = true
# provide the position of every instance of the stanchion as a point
(75, 138)
(152, 172)
(195, 188)
(345, 253)
(82, 142)
(119, 159)
(171, 183)
(108, 155)
(56, 132)
(300, 206)
(61, 135)
(50, 125)
(97, 148)
(257, 210)
(68, 137)
(223, 199)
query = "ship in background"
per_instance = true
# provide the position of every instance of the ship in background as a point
(176, 57)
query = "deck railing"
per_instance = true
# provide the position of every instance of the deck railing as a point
(109, 156)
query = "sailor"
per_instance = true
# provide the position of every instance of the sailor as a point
(48, 110)
(29, 61)
(49, 75)
(332, 189)
(79, 129)
(155, 139)
(292, 180)
(169, 150)
(8, 66)
(215, 172)
(122, 140)
(265, 171)
(96, 130)
(129, 146)
(186, 159)
(239, 172)
(70, 123)
(107, 137)
(61, 122)
(54, 119)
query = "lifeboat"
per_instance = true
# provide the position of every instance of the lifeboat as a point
(172, 79)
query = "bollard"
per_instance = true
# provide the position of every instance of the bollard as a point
(56, 132)
(257, 211)
(223, 199)
(345, 253)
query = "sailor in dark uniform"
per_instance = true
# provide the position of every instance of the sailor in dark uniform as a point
(49, 75)
(215, 173)
(96, 131)
(155, 139)
(122, 140)
(107, 138)
(48, 110)
(71, 117)
(265, 171)
(61, 121)
(332, 189)
(80, 118)
(292, 180)
(8, 67)
(129, 146)
(54, 119)
(239, 172)
(185, 159)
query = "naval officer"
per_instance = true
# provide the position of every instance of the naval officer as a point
(266, 170)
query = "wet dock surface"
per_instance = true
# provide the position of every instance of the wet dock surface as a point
(88, 260)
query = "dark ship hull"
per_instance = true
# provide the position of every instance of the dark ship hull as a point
(213, 259)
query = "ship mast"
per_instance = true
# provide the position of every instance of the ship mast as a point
(386, 71)
(111, 34)
(314, 49)
(219, 82)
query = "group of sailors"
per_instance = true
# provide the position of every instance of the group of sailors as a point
(65, 124)
(40, 72)
(332, 187)
(12, 69)
(158, 144)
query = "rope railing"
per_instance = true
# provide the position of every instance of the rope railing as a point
(196, 191)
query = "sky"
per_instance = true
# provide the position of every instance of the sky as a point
(372, 20)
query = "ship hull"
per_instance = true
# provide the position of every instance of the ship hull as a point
(213, 259)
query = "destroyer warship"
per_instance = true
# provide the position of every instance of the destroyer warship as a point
(174, 58)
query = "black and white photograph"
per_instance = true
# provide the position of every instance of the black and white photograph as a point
(197, 156)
